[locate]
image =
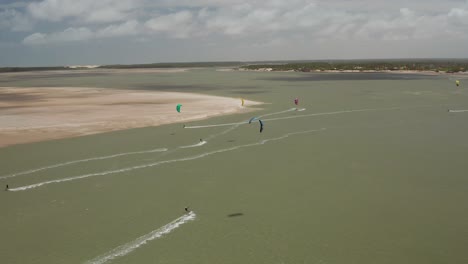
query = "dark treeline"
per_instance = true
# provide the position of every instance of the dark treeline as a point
(24, 69)
(442, 65)
(130, 66)
(174, 65)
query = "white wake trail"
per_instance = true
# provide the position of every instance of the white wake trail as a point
(302, 116)
(219, 125)
(280, 112)
(36, 185)
(242, 122)
(131, 246)
(201, 143)
(223, 132)
(332, 113)
(458, 111)
(80, 161)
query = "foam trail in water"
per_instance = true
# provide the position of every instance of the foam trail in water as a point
(300, 110)
(80, 161)
(332, 113)
(219, 125)
(131, 246)
(36, 185)
(223, 132)
(300, 116)
(243, 122)
(457, 111)
(201, 143)
(277, 113)
(206, 141)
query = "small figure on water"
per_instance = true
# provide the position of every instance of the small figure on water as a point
(187, 210)
(6, 188)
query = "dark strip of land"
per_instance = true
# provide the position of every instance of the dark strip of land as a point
(436, 65)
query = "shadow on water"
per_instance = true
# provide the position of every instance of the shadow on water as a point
(350, 77)
(235, 215)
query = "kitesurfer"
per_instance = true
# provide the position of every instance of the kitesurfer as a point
(187, 210)
(6, 188)
(201, 140)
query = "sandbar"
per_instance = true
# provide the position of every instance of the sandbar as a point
(46, 113)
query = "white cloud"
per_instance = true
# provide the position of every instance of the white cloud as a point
(83, 11)
(269, 29)
(68, 35)
(277, 42)
(35, 38)
(72, 34)
(16, 4)
(191, 3)
(459, 17)
(12, 20)
(274, 19)
(178, 25)
(410, 25)
(125, 29)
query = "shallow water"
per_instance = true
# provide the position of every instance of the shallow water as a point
(373, 171)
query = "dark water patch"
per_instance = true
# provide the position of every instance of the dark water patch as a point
(350, 77)
(235, 215)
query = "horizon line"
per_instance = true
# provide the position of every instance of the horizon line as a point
(235, 62)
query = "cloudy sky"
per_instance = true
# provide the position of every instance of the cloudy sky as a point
(67, 32)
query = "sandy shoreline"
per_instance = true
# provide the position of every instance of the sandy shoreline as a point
(37, 114)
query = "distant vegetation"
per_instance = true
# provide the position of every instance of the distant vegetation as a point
(174, 65)
(447, 65)
(233, 64)
(24, 69)
(436, 65)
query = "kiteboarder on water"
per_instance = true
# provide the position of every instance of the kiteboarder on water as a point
(187, 210)
(6, 188)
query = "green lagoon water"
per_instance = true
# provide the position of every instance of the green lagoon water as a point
(384, 185)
